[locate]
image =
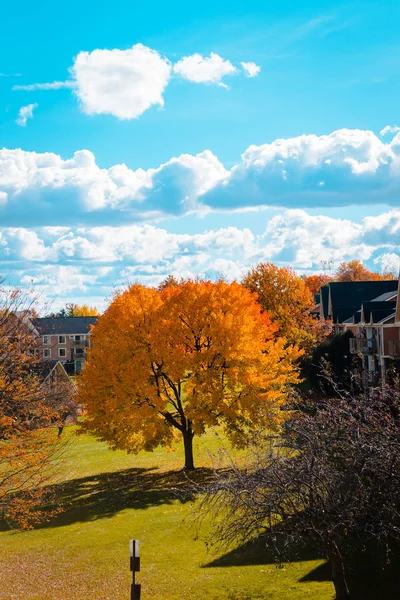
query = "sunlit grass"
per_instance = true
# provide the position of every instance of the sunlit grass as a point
(113, 497)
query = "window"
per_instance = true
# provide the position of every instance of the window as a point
(61, 339)
(62, 352)
(46, 340)
(46, 353)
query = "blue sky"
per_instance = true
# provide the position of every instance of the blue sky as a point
(195, 139)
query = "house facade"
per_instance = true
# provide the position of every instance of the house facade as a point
(64, 339)
(371, 311)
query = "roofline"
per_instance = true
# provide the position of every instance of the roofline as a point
(63, 368)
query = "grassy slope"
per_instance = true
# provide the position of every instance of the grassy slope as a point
(114, 497)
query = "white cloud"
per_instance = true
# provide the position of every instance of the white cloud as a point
(389, 129)
(47, 190)
(123, 83)
(251, 69)
(292, 237)
(91, 261)
(53, 280)
(126, 83)
(345, 167)
(305, 241)
(25, 113)
(54, 85)
(389, 262)
(200, 69)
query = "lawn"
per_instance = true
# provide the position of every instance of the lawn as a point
(111, 497)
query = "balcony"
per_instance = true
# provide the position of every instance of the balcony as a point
(78, 355)
(81, 343)
(394, 348)
(370, 378)
(362, 345)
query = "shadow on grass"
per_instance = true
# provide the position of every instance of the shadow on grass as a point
(105, 494)
(366, 581)
(258, 553)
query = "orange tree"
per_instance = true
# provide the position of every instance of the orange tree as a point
(354, 270)
(288, 301)
(74, 310)
(29, 450)
(314, 282)
(182, 359)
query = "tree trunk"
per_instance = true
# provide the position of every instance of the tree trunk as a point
(188, 444)
(338, 574)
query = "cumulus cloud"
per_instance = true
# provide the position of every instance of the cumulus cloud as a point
(25, 113)
(126, 83)
(200, 69)
(389, 129)
(45, 189)
(342, 168)
(251, 69)
(389, 263)
(123, 83)
(93, 260)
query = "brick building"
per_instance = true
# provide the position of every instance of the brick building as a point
(64, 339)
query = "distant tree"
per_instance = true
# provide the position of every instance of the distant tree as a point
(170, 280)
(288, 301)
(355, 271)
(62, 313)
(332, 479)
(29, 453)
(75, 310)
(314, 282)
(183, 359)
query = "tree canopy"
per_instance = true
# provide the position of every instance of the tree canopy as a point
(182, 359)
(28, 407)
(314, 282)
(76, 310)
(354, 270)
(288, 301)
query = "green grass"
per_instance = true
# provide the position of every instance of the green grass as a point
(111, 497)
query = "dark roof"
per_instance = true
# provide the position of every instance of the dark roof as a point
(347, 296)
(324, 291)
(388, 306)
(64, 325)
(380, 315)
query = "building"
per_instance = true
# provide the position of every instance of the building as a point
(371, 311)
(64, 339)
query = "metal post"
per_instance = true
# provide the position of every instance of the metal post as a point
(135, 567)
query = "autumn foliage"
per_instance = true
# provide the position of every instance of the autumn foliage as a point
(181, 359)
(29, 451)
(76, 310)
(354, 270)
(288, 301)
(314, 282)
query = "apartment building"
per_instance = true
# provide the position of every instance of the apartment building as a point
(64, 339)
(371, 311)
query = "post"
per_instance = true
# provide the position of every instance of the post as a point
(135, 567)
